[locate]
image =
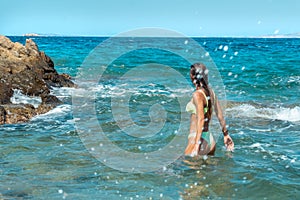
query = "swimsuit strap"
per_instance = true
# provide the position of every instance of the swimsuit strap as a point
(205, 97)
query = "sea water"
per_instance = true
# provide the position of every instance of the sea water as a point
(46, 158)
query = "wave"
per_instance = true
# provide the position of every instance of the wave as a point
(277, 113)
(234, 109)
(150, 90)
(62, 92)
(19, 98)
(61, 110)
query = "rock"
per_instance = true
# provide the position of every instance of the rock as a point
(43, 108)
(30, 45)
(51, 100)
(2, 115)
(18, 113)
(6, 93)
(5, 42)
(27, 69)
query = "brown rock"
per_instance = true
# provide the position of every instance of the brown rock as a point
(43, 108)
(51, 100)
(18, 113)
(6, 93)
(5, 42)
(2, 115)
(31, 46)
(31, 71)
(29, 83)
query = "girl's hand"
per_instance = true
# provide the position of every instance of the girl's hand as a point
(228, 143)
(196, 148)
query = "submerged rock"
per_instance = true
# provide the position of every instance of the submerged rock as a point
(25, 68)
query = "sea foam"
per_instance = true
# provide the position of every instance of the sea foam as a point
(277, 113)
(18, 98)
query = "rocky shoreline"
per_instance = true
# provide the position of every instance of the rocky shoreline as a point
(25, 68)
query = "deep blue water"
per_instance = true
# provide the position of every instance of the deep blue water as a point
(49, 158)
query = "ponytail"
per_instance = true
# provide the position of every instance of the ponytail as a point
(199, 76)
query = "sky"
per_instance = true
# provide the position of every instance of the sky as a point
(190, 17)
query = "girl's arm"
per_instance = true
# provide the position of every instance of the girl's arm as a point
(227, 139)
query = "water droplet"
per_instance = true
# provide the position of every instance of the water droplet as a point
(198, 71)
(92, 149)
(161, 195)
(100, 144)
(206, 71)
(206, 54)
(243, 68)
(264, 157)
(236, 53)
(186, 42)
(230, 74)
(221, 47)
(225, 48)
(224, 56)
(60, 191)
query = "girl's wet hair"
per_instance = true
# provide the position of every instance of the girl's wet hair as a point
(199, 75)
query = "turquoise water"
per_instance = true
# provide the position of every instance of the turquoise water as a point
(47, 159)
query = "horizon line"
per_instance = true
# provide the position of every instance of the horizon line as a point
(290, 35)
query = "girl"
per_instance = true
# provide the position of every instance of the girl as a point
(200, 140)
